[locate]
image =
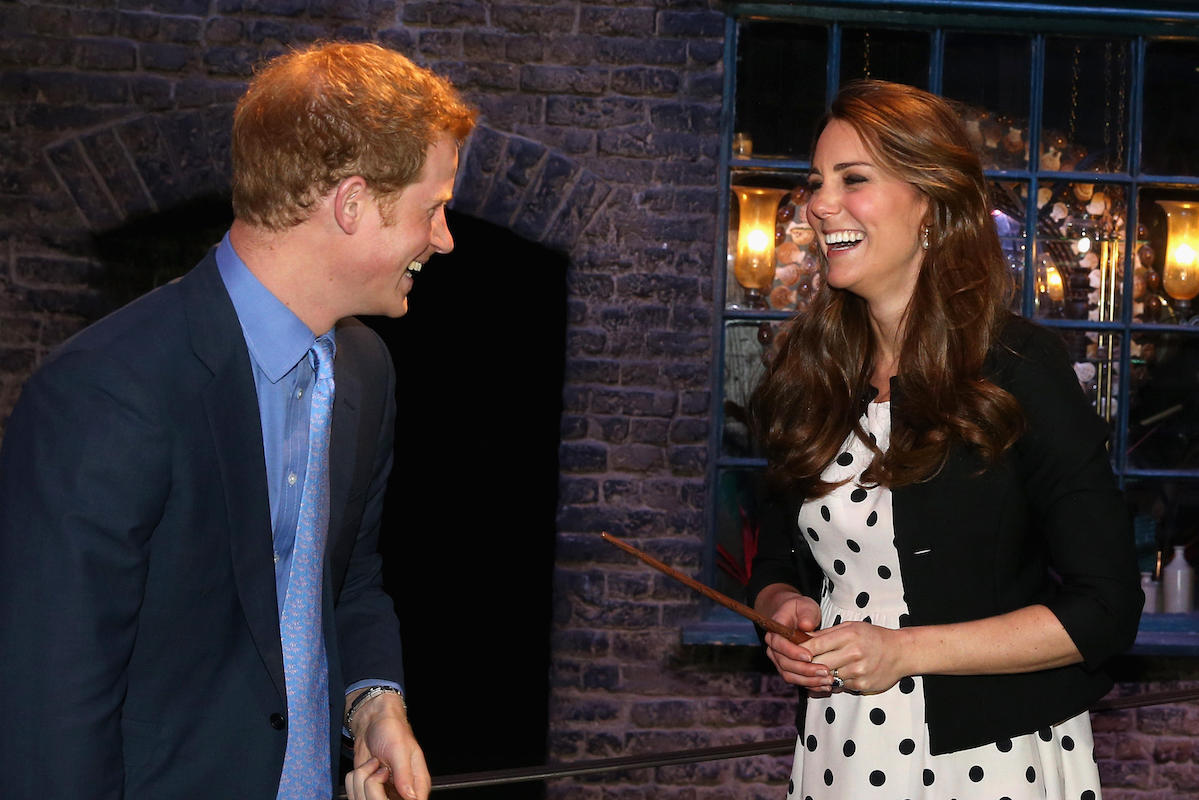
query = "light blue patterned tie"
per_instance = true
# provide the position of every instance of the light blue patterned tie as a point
(306, 763)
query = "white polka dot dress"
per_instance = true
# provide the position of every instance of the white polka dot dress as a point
(876, 746)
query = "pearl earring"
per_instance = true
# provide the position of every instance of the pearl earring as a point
(924, 233)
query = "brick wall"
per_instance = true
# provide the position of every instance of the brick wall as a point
(598, 139)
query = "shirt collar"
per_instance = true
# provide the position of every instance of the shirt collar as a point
(275, 336)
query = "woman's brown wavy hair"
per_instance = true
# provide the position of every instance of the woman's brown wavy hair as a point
(313, 117)
(813, 392)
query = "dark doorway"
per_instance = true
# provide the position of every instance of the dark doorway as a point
(469, 521)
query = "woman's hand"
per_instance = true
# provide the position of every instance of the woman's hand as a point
(794, 662)
(869, 659)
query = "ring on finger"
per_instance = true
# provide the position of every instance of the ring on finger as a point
(838, 681)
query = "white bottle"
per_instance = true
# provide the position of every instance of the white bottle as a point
(1178, 584)
(1153, 600)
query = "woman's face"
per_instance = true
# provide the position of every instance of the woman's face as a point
(867, 220)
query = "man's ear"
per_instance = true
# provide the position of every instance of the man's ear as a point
(350, 202)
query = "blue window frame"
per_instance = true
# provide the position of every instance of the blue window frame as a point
(1089, 132)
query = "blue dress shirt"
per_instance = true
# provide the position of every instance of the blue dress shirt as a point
(283, 376)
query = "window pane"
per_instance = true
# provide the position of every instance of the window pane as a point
(1170, 138)
(747, 346)
(736, 530)
(1079, 257)
(1086, 105)
(1163, 424)
(1008, 203)
(890, 55)
(781, 70)
(1096, 359)
(1165, 514)
(771, 260)
(988, 75)
(1167, 271)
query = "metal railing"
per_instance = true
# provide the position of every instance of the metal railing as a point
(770, 747)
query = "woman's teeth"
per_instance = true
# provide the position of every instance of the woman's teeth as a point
(843, 240)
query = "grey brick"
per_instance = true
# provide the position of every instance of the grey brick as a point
(72, 169)
(563, 80)
(165, 57)
(692, 24)
(120, 177)
(533, 19)
(105, 54)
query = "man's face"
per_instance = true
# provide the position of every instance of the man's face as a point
(407, 230)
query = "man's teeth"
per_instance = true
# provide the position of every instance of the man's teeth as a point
(415, 266)
(844, 237)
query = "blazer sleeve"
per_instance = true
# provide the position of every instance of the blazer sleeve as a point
(1066, 470)
(782, 557)
(367, 628)
(84, 474)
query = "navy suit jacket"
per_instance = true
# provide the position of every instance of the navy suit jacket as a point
(138, 620)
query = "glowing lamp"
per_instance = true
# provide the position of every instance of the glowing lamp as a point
(1053, 284)
(1180, 273)
(753, 264)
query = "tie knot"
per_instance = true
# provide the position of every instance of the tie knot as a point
(322, 352)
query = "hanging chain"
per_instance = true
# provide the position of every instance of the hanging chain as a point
(1121, 108)
(1107, 106)
(1073, 96)
(866, 54)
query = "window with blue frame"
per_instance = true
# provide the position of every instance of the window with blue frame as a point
(1088, 130)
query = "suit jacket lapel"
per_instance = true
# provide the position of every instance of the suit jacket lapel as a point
(344, 441)
(232, 404)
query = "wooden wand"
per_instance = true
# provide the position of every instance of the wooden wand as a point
(799, 637)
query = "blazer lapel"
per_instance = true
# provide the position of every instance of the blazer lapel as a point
(344, 442)
(232, 405)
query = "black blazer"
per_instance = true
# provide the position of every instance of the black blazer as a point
(138, 618)
(1046, 524)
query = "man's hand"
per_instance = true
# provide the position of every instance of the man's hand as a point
(388, 762)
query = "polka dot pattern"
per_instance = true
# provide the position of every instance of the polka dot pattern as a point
(876, 746)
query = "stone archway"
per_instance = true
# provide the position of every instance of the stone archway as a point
(144, 165)
(538, 193)
(141, 166)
